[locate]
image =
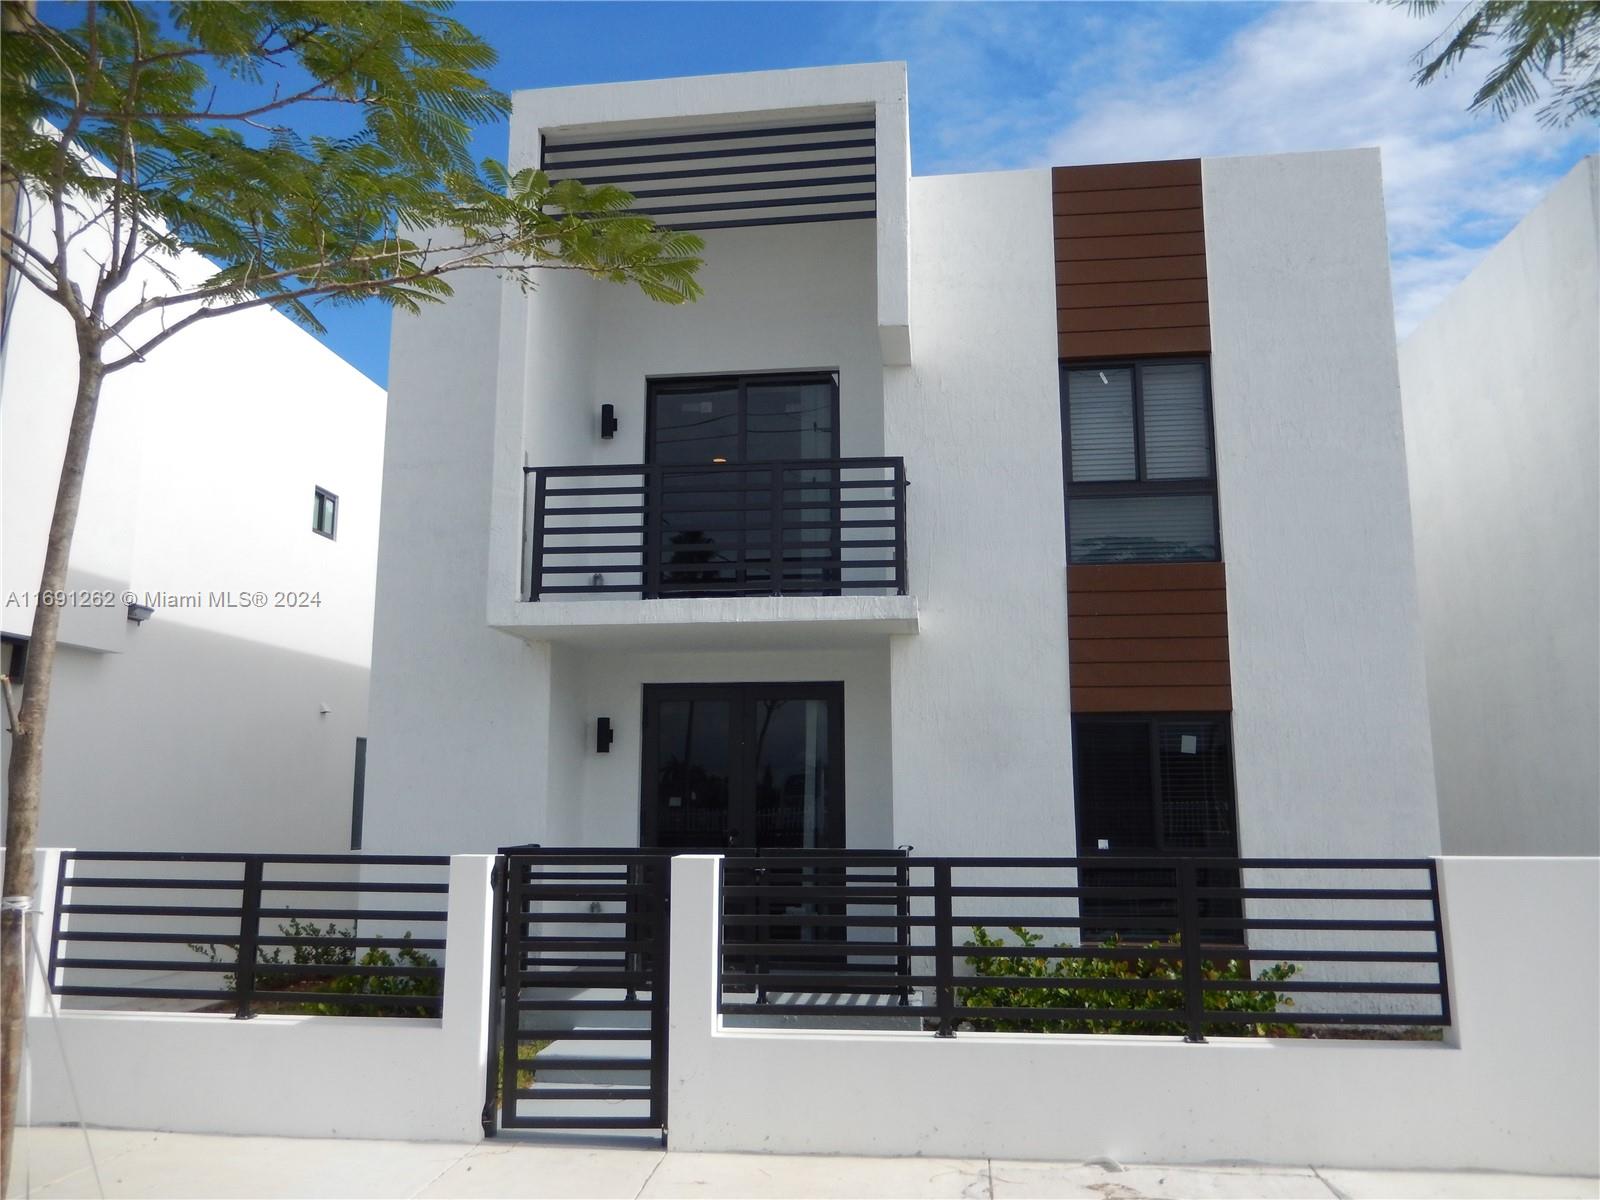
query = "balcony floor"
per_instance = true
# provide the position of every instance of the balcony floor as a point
(714, 623)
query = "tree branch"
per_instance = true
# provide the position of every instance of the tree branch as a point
(280, 299)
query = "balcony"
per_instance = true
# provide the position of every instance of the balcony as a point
(799, 552)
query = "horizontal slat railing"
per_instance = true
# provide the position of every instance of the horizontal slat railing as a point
(239, 932)
(1095, 944)
(802, 527)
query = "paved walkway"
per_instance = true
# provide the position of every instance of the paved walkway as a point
(184, 1165)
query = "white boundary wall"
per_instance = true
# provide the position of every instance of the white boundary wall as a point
(363, 1077)
(1514, 1088)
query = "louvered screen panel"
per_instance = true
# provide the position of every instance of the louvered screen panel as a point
(730, 176)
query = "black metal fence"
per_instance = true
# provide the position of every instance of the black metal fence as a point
(804, 527)
(1098, 944)
(324, 933)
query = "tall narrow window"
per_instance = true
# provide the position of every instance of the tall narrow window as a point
(1141, 486)
(325, 513)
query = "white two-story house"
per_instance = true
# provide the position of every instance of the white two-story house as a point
(1029, 512)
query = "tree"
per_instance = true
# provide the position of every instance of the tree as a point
(1554, 42)
(144, 132)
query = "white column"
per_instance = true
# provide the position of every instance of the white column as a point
(692, 994)
(470, 930)
(46, 866)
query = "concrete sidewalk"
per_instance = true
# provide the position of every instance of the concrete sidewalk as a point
(192, 1165)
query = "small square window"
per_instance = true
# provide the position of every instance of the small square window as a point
(325, 513)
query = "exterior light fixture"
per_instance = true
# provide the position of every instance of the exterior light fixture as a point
(719, 459)
(602, 735)
(139, 613)
(608, 421)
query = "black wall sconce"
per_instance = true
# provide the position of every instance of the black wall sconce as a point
(608, 421)
(602, 735)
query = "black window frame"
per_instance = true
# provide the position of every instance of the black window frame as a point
(1140, 485)
(741, 789)
(1156, 926)
(321, 495)
(666, 385)
(1154, 722)
(661, 560)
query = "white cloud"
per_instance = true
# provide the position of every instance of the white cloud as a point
(1004, 85)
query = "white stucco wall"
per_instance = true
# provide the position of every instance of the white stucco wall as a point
(1511, 1088)
(982, 731)
(1330, 726)
(474, 728)
(204, 727)
(781, 97)
(1502, 406)
(594, 798)
(460, 714)
(349, 1077)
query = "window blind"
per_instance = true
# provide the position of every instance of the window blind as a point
(1177, 437)
(1142, 529)
(1100, 405)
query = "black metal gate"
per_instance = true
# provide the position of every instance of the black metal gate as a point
(582, 960)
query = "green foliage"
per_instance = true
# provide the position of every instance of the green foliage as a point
(1162, 965)
(526, 1052)
(119, 114)
(405, 955)
(315, 952)
(1542, 42)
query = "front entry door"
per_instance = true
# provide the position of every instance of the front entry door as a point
(743, 765)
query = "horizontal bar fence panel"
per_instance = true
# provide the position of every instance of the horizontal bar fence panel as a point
(318, 934)
(803, 527)
(1190, 946)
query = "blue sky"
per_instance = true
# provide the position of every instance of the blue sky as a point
(997, 86)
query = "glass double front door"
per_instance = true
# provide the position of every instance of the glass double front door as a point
(740, 509)
(743, 765)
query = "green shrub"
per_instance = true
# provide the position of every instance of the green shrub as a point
(338, 954)
(1163, 967)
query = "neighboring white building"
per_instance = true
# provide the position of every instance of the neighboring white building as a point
(205, 726)
(1230, 662)
(1502, 409)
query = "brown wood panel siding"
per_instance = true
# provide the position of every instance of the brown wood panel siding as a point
(1138, 291)
(1130, 316)
(1149, 199)
(1127, 343)
(1119, 270)
(1130, 283)
(1149, 637)
(1131, 236)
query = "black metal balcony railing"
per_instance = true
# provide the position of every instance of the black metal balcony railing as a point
(804, 527)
